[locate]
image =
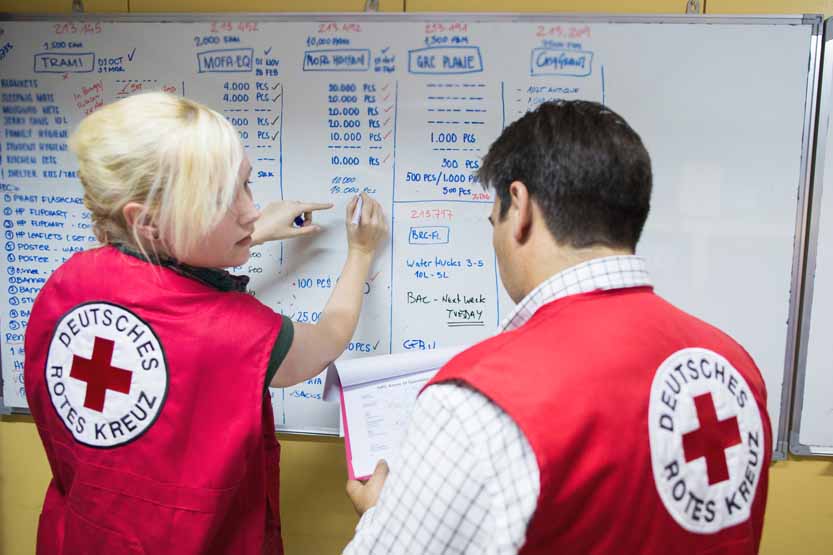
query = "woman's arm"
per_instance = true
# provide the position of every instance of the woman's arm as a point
(317, 345)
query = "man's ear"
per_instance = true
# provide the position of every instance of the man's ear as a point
(521, 209)
(132, 211)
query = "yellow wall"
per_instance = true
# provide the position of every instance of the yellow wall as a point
(61, 6)
(583, 6)
(317, 518)
(260, 6)
(768, 7)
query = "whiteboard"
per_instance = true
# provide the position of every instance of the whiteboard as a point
(404, 107)
(812, 428)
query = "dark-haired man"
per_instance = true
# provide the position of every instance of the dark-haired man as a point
(602, 419)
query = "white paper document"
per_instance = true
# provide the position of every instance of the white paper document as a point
(377, 398)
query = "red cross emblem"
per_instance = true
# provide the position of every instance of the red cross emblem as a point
(99, 374)
(711, 439)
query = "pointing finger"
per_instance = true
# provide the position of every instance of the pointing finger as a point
(311, 206)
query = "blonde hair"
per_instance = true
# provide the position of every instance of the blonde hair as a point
(176, 157)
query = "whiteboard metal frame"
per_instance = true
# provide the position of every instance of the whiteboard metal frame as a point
(825, 105)
(300, 17)
(800, 241)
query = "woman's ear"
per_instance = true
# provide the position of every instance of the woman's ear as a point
(132, 211)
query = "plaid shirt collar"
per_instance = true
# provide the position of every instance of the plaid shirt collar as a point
(599, 274)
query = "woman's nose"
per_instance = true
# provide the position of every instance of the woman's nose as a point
(248, 211)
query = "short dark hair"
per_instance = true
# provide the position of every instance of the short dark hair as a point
(585, 167)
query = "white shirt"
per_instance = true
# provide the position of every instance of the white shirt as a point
(468, 481)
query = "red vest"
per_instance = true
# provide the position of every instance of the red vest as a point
(649, 426)
(147, 388)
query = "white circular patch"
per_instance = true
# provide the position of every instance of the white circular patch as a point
(707, 440)
(106, 373)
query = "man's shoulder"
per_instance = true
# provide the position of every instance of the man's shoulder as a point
(485, 349)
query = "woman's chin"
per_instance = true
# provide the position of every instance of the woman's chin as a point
(243, 257)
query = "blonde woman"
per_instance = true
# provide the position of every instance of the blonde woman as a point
(148, 366)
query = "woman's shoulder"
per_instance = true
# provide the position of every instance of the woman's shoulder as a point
(83, 261)
(249, 303)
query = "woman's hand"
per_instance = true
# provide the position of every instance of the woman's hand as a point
(277, 221)
(372, 228)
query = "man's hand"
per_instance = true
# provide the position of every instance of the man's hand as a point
(365, 495)
(277, 221)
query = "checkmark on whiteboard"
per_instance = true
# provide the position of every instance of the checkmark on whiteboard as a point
(130, 56)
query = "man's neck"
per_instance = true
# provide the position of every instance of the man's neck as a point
(563, 257)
